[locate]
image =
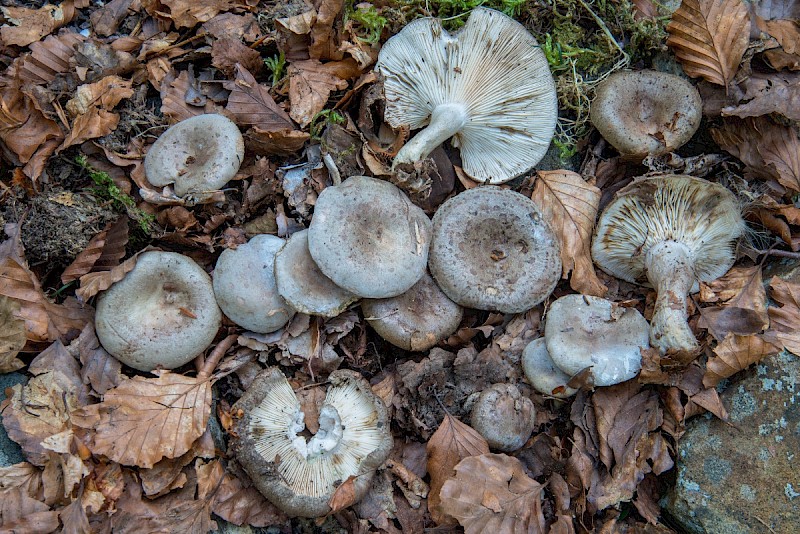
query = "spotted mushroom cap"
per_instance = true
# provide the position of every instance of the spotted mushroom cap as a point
(493, 67)
(504, 417)
(198, 154)
(297, 475)
(492, 250)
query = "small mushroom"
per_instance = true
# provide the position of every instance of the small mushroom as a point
(488, 87)
(198, 154)
(671, 232)
(542, 373)
(583, 331)
(244, 284)
(504, 417)
(646, 112)
(161, 315)
(367, 237)
(491, 250)
(302, 284)
(299, 476)
(415, 320)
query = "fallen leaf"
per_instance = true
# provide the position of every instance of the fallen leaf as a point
(709, 38)
(492, 493)
(608, 402)
(73, 517)
(91, 125)
(48, 59)
(182, 99)
(27, 26)
(324, 42)
(228, 52)
(277, 143)
(745, 308)
(144, 420)
(569, 204)
(252, 105)
(104, 94)
(768, 93)
(99, 369)
(21, 506)
(344, 496)
(103, 252)
(189, 13)
(311, 83)
(167, 474)
(106, 19)
(24, 128)
(12, 335)
(94, 283)
(735, 354)
(452, 442)
(784, 319)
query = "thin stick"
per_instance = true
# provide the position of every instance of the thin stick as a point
(216, 355)
(779, 253)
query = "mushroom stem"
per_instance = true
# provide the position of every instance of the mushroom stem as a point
(446, 120)
(670, 269)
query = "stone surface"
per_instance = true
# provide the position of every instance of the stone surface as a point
(10, 453)
(744, 477)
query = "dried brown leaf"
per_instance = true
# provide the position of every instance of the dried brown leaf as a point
(324, 42)
(23, 127)
(780, 148)
(277, 143)
(227, 52)
(168, 474)
(569, 204)
(104, 94)
(23, 514)
(777, 9)
(344, 496)
(48, 58)
(189, 13)
(709, 38)
(73, 517)
(182, 99)
(492, 493)
(94, 283)
(608, 402)
(745, 310)
(91, 125)
(452, 442)
(12, 335)
(311, 83)
(252, 105)
(784, 320)
(103, 252)
(735, 354)
(768, 93)
(26, 26)
(106, 19)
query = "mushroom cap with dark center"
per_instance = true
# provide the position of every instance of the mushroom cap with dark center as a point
(542, 373)
(162, 314)
(244, 284)
(646, 112)
(583, 331)
(198, 154)
(415, 320)
(297, 475)
(367, 237)
(302, 284)
(504, 417)
(492, 250)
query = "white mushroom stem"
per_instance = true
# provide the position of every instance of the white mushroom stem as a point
(670, 269)
(446, 121)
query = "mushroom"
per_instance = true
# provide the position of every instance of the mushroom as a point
(671, 231)
(488, 87)
(299, 476)
(302, 284)
(542, 373)
(582, 332)
(244, 284)
(504, 417)
(646, 112)
(415, 320)
(160, 315)
(367, 237)
(491, 250)
(198, 154)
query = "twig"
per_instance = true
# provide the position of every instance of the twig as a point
(779, 253)
(216, 355)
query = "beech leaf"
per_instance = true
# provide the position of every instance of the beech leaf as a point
(252, 105)
(12, 335)
(765, 94)
(745, 311)
(311, 83)
(784, 320)
(709, 38)
(569, 204)
(735, 354)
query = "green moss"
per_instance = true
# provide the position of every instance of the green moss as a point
(277, 65)
(322, 119)
(368, 22)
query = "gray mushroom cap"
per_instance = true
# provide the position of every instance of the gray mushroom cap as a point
(299, 476)
(542, 373)
(415, 320)
(504, 417)
(488, 86)
(646, 112)
(302, 284)
(367, 237)
(583, 331)
(492, 250)
(198, 154)
(244, 284)
(162, 314)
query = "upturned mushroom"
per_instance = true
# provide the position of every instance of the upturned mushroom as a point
(669, 232)
(542, 372)
(504, 417)
(367, 237)
(196, 155)
(162, 314)
(244, 284)
(491, 250)
(299, 476)
(583, 332)
(487, 87)
(646, 112)
(415, 320)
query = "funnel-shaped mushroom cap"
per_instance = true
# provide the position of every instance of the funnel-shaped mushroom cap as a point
(504, 417)
(646, 112)
(369, 238)
(198, 154)
(302, 284)
(488, 86)
(542, 373)
(583, 331)
(299, 476)
(416, 320)
(162, 314)
(244, 284)
(492, 250)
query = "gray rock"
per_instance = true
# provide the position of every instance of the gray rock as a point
(10, 452)
(744, 477)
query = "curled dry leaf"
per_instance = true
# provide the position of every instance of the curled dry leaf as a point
(492, 493)
(735, 354)
(103, 94)
(104, 251)
(188, 13)
(765, 94)
(94, 283)
(26, 26)
(98, 367)
(23, 127)
(227, 52)
(252, 105)
(745, 309)
(144, 420)
(48, 58)
(784, 319)
(452, 442)
(168, 474)
(12, 335)
(311, 83)
(709, 38)
(569, 204)
(91, 125)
